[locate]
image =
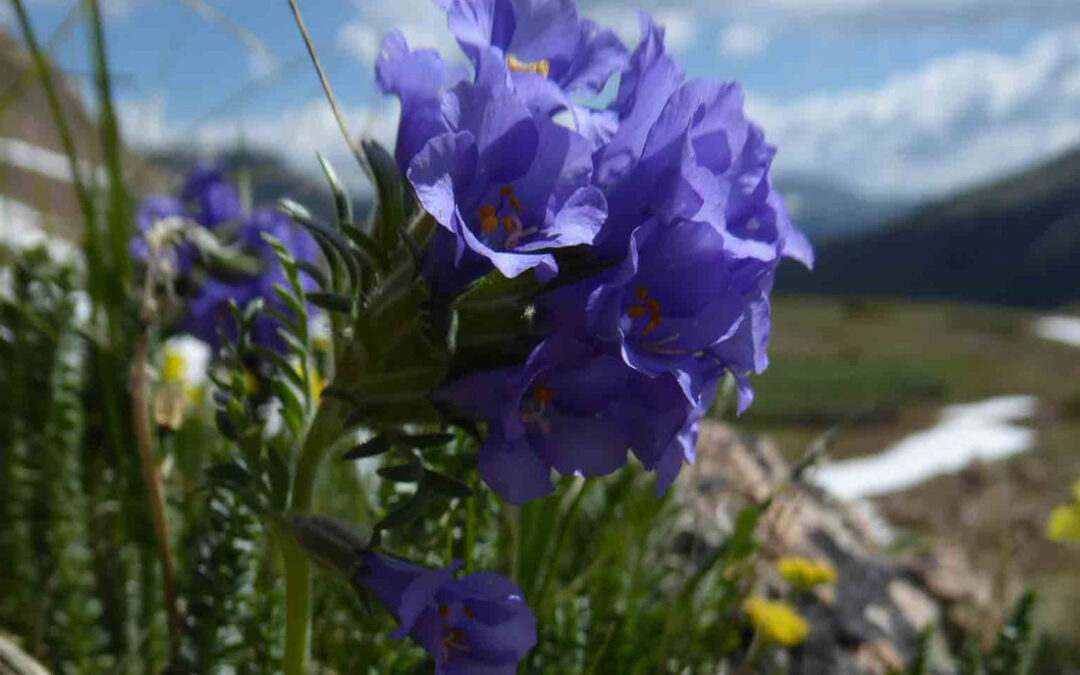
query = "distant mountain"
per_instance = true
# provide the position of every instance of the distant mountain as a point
(272, 178)
(826, 210)
(1014, 241)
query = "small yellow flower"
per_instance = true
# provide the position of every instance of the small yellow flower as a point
(318, 383)
(1064, 524)
(182, 373)
(777, 621)
(804, 573)
(174, 368)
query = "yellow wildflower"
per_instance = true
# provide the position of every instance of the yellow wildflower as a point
(182, 372)
(777, 621)
(804, 573)
(1064, 524)
(174, 369)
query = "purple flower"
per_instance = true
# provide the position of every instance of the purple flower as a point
(208, 312)
(419, 78)
(507, 184)
(570, 408)
(684, 149)
(212, 199)
(476, 624)
(208, 200)
(180, 256)
(551, 52)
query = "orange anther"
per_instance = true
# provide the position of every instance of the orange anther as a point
(641, 292)
(636, 312)
(444, 611)
(543, 393)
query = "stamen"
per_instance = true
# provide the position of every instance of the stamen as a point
(659, 347)
(489, 221)
(646, 305)
(516, 236)
(541, 67)
(468, 613)
(543, 393)
(535, 405)
(444, 611)
(454, 640)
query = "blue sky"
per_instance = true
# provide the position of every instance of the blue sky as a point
(887, 97)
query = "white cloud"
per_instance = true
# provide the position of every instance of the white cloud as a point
(958, 120)
(741, 40)
(680, 23)
(860, 16)
(297, 133)
(360, 40)
(421, 21)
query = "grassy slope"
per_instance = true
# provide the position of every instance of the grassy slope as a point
(884, 369)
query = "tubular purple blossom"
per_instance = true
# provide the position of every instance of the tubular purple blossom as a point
(479, 623)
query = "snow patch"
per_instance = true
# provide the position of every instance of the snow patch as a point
(982, 430)
(1064, 329)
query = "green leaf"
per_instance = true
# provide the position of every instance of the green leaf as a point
(278, 473)
(338, 393)
(342, 204)
(282, 366)
(225, 425)
(290, 399)
(330, 302)
(366, 247)
(326, 237)
(402, 473)
(293, 302)
(494, 291)
(445, 485)
(370, 448)
(316, 273)
(358, 416)
(251, 310)
(389, 211)
(423, 440)
(406, 513)
(229, 472)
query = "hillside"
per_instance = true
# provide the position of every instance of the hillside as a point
(826, 210)
(1015, 241)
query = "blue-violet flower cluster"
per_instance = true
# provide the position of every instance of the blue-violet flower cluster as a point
(208, 201)
(669, 184)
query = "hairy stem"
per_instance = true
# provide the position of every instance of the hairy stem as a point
(324, 429)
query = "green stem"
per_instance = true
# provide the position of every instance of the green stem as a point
(323, 431)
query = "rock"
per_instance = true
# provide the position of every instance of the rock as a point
(870, 620)
(14, 661)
